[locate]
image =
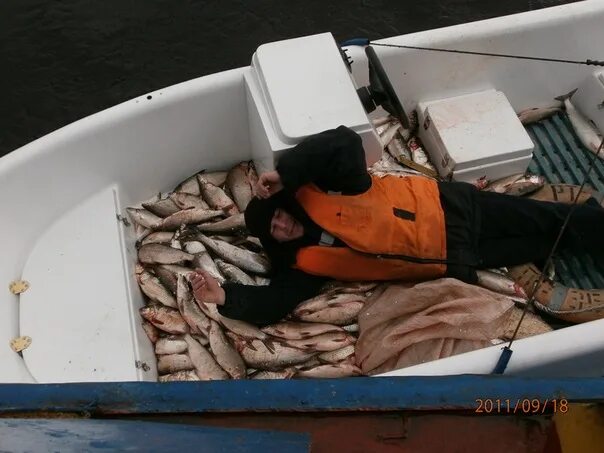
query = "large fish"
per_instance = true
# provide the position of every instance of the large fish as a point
(185, 375)
(152, 287)
(206, 367)
(326, 300)
(337, 355)
(218, 178)
(337, 370)
(339, 314)
(241, 328)
(158, 237)
(188, 217)
(239, 185)
(244, 259)
(203, 260)
(532, 115)
(324, 342)
(171, 363)
(144, 218)
(503, 184)
(224, 352)
(162, 207)
(174, 344)
(586, 131)
(526, 185)
(234, 274)
(285, 373)
(164, 318)
(217, 198)
(234, 224)
(299, 330)
(256, 354)
(190, 311)
(500, 284)
(151, 331)
(185, 200)
(162, 254)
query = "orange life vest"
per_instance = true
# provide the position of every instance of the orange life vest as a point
(395, 230)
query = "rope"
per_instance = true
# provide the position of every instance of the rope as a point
(488, 54)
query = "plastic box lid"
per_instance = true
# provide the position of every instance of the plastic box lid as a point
(475, 129)
(307, 87)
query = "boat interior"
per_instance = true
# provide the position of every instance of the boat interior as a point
(66, 190)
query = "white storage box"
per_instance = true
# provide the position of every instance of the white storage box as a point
(474, 136)
(300, 87)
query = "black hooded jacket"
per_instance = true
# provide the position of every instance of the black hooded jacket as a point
(334, 160)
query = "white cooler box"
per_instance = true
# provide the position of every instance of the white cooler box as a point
(474, 136)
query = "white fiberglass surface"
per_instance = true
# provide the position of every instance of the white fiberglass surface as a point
(142, 146)
(79, 311)
(571, 31)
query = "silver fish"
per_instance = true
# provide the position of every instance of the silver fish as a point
(256, 354)
(164, 318)
(418, 155)
(389, 134)
(286, 373)
(502, 185)
(162, 254)
(188, 217)
(218, 178)
(190, 311)
(532, 115)
(337, 355)
(185, 200)
(162, 207)
(328, 341)
(234, 274)
(185, 375)
(338, 314)
(226, 355)
(241, 328)
(152, 287)
(241, 258)
(172, 363)
(398, 149)
(151, 331)
(351, 328)
(337, 370)
(217, 198)
(526, 185)
(239, 185)
(234, 224)
(586, 131)
(144, 218)
(189, 185)
(325, 300)
(348, 287)
(171, 345)
(299, 330)
(203, 260)
(158, 237)
(500, 284)
(206, 367)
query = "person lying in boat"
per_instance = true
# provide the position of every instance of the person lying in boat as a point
(322, 216)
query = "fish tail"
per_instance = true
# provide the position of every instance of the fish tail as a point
(566, 96)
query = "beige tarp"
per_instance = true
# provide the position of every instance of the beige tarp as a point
(405, 324)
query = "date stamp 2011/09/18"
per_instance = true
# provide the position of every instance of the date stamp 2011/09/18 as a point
(521, 406)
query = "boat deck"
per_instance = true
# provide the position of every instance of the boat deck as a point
(560, 157)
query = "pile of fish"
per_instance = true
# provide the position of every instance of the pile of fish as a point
(200, 224)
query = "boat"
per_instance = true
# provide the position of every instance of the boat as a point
(65, 194)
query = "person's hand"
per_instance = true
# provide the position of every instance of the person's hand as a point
(206, 288)
(268, 184)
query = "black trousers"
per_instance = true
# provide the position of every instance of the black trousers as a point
(516, 230)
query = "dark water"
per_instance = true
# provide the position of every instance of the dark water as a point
(62, 60)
